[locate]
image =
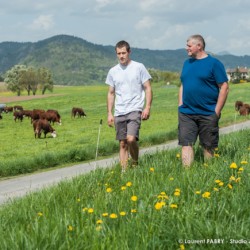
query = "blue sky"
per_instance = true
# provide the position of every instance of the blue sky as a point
(152, 24)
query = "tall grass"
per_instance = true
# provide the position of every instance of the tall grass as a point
(77, 138)
(158, 205)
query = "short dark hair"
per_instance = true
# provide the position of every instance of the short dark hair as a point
(121, 44)
(198, 38)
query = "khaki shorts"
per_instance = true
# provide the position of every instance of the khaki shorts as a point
(128, 124)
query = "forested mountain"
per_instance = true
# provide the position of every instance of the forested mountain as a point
(74, 61)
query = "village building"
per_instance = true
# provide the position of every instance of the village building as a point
(239, 73)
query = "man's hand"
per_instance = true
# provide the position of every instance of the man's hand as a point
(110, 120)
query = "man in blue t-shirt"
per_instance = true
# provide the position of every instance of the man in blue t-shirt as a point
(129, 86)
(202, 95)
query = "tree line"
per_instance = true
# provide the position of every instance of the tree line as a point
(22, 77)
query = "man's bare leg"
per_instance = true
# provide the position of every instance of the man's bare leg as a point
(123, 154)
(133, 149)
(208, 154)
(187, 156)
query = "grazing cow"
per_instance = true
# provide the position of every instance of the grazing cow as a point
(44, 126)
(52, 115)
(18, 115)
(18, 107)
(237, 105)
(36, 114)
(27, 113)
(8, 109)
(77, 111)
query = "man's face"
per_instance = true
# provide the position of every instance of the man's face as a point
(123, 55)
(192, 48)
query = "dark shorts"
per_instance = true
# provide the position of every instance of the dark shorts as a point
(128, 124)
(192, 126)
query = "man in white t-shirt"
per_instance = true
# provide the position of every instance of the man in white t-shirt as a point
(129, 85)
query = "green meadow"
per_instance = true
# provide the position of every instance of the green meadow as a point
(157, 205)
(76, 139)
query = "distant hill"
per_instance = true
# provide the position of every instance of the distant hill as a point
(74, 61)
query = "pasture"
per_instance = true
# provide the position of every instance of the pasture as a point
(77, 138)
(157, 205)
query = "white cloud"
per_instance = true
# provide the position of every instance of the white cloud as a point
(145, 23)
(43, 22)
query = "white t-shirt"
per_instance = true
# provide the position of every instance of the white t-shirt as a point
(128, 83)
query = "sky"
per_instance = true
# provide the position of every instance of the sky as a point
(147, 24)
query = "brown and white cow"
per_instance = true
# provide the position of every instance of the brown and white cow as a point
(77, 111)
(8, 109)
(18, 107)
(42, 125)
(18, 115)
(53, 116)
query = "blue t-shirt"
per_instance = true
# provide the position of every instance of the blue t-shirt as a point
(200, 79)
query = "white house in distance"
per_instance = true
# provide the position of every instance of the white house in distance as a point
(240, 73)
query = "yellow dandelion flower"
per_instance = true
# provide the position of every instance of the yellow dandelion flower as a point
(134, 198)
(216, 189)
(122, 213)
(109, 190)
(230, 186)
(90, 210)
(198, 192)
(173, 205)
(206, 195)
(177, 190)
(233, 165)
(182, 247)
(70, 228)
(40, 214)
(129, 184)
(105, 214)
(217, 181)
(216, 149)
(221, 184)
(163, 197)
(162, 193)
(243, 162)
(151, 169)
(113, 216)
(241, 169)
(98, 228)
(99, 222)
(123, 188)
(158, 205)
(133, 210)
(178, 155)
(171, 178)
(177, 193)
(238, 179)
(232, 178)
(85, 209)
(216, 155)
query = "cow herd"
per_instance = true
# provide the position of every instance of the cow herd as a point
(242, 108)
(40, 119)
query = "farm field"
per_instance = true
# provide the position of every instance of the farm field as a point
(77, 138)
(157, 205)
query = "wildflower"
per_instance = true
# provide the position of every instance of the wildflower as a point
(173, 206)
(90, 210)
(232, 178)
(84, 209)
(198, 192)
(162, 195)
(151, 169)
(159, 205)
(217, 181)
(178, 155)
(241, 169)
(182, 247)
(216, 189)
(99, 222)
(221, 184)
(133, 210)
(40, 214)
(216, 155)
(109, 190)
(129, 184)
(113, 216)
(70, 228)
(122, 213)
(123, 188)
(238, 179)
(134, 198)
(176, 193)
(216, 149)
(171, 178)
(78, 200)
(105, 214)
(230, 186)
(233, 165)
(243, 162)
(206, 195)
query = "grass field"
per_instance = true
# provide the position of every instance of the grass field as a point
(77, 138)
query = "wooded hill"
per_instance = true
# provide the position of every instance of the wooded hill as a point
(75, 61)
